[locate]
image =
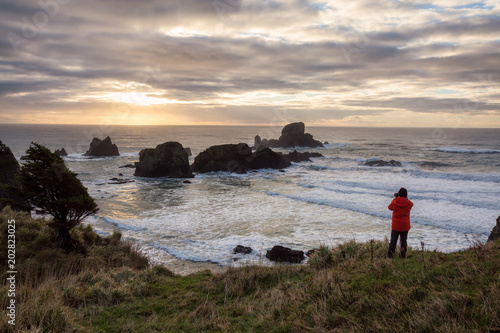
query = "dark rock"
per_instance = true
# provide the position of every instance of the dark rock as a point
(265, 158)
(128, 166)
(61, 152)
(120, 174)
(326, 143)
(301, 157)
(284, 254)
(242, 249)
(237, 158)
(229, 157)
(382, 163)
(292, 135)
(116, 181)
(273, 143)
(281, 170)
(166, 160)
(294, 129)
(188, 151)
(9, 168)
(186, 182)
(311, 252)
(495, 233)
(257, 141)
(102, 148)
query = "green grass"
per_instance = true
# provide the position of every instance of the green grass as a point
(349, 288)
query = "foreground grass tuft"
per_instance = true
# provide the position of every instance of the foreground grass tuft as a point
(352, 287)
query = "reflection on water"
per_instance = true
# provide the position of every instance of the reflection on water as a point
(326, 201)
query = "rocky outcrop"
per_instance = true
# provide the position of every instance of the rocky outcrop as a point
(237, 158)
(242, 249)
(102, 148)
(382, 163)
(166, 160)
(495, 233)
(61, 152)
(117, 181)
(188, 151)
(284, 254)
(292, 135)
(128, 166)
(301, 157)
(9, 168)
(265, 158)
(311, 252)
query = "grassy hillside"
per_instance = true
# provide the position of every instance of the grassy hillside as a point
(109, 287)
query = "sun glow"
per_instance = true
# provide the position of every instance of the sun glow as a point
(139, 98)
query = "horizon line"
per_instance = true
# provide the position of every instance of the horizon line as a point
(247, 125)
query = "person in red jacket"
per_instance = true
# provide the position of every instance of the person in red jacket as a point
(400, 207)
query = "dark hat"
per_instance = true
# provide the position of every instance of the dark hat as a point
(402, 192)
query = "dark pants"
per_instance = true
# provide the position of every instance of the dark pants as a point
(394, 241)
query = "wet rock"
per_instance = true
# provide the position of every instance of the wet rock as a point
(292, 135)
(186, 182)
(284, 254)
(495, 233)
(117, 181)
(301, 157)
(237, 158)
(166, 160)
(242, 249)
(61, 152)
(228, 157)
(311, 252)
(128, 166)
(382, 163)
(265, 158)
(102, 148)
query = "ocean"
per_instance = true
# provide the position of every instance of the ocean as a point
(452, 177)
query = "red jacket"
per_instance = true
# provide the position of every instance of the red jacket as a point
(401, 213)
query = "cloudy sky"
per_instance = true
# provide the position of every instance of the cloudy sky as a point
(327, 62)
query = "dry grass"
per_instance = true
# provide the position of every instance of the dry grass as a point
(349, 288)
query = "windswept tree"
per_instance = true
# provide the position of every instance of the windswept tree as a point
(49, 187)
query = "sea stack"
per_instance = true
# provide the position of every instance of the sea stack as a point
(292, 135)
(61, 152)
(237, 158)
(168, 159)
(102, 148)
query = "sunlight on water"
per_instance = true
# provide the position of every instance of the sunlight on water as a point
(454, 186)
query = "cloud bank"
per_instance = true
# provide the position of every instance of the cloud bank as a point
(360, 63)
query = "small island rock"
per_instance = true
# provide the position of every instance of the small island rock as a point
(61, 152)
(382, 163)
(265, 158)
(284, 254)
(237, 158)
(292, 135)
(102, 148)
(242, 249)
(301, 157)
(166, 160)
